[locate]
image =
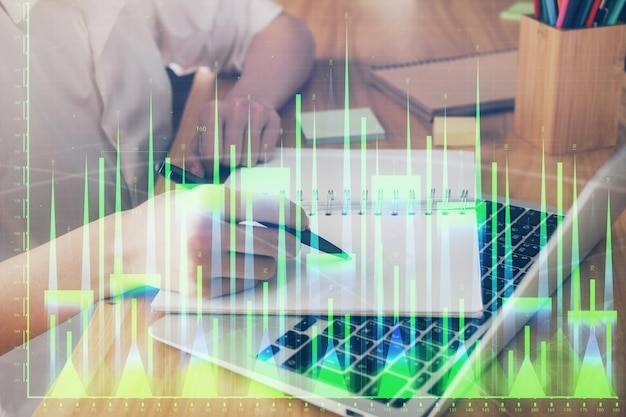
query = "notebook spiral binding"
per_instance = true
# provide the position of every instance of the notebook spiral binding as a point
(394, 206)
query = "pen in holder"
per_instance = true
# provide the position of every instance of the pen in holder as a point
(569, 86)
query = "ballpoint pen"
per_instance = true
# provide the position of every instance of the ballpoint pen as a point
(306, 236)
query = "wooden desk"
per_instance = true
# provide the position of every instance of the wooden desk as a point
(378, 33)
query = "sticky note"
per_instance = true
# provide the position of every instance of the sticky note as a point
(327, 126)
(516, 10)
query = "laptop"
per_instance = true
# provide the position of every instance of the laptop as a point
(389, 365)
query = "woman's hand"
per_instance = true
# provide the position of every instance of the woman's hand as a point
(250, 125)
(200, 244)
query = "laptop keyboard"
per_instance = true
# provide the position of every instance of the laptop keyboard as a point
(391, 358)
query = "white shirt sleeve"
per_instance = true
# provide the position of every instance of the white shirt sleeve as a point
(195, 33)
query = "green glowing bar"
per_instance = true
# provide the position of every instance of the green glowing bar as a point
(608, 331)
(559, 289)
(199, 290)
(477, 151)
(249, 137)
(216, 339)
(330, 318)
(462, 318)
(511, 363)
(446, 325)
(216, 140)
(167, 227)
(249, 348)
(608, 260)
(85, 283)
(314, 346)
(133, 319)
(346, 102)
(445, 148)
(378, 253)
(575, 291)
(544, 364)
(409, 166)
(150, 352)
(527, 341)
(592, 294)
(150, 154)
(396, 293)
(494, 220)
(298, 133)
(233, 225)
(412, 306)
(85, 339)
(68, 346)
(52, 268)
(265, 306)
(346, 334)
(429, 164)
(281, 270)
(53, 346)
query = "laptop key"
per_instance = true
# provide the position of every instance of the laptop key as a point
(423, 351)
(268, 352)
(437, 364)
(520, 261)
(356, 382)
(305, 323)
(357, 345)
(370, 365)
(338, 361)
(531, 217)
(388, 388)
(421, 380)
(521, 228)
(301, 361)
(420, 323)
(527, 250)
(408, 335)
(373, 330)
(439, 336)
(339, 329)
(292, 340)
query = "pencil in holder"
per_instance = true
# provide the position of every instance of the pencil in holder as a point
(569, 86)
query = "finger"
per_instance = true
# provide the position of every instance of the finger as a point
(260, 118)
(258, 240)
(269, 137)
(193, 162)
(235, 125)
(210, 140)
(239, 272)
(266, 208)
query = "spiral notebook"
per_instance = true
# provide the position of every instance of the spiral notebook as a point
(450, 83)
(407, 219)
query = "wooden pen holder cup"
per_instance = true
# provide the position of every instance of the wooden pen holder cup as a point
(569, 86)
